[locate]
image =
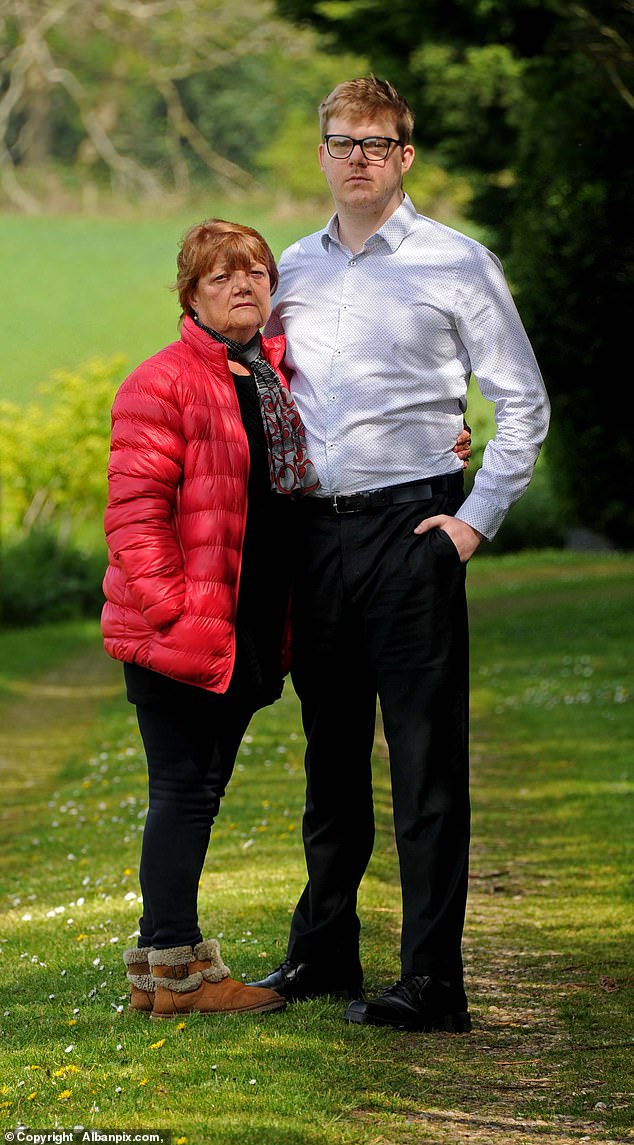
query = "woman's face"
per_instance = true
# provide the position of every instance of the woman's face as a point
(236, 303)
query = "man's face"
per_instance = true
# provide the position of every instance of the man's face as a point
(358, 184)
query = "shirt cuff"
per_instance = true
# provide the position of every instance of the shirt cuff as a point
(481, 515)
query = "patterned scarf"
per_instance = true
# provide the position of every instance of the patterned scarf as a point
(291, 470)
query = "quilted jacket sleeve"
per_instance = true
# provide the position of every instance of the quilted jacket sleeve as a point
(144, 474)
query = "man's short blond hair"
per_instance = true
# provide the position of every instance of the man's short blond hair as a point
(368, 98)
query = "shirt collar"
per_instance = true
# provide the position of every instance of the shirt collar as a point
(392, 232)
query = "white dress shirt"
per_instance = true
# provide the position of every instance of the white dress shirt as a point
(382, 345)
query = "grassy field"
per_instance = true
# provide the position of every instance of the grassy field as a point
(548, 943)
(74, 288)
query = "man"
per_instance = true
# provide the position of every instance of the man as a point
(386, 314)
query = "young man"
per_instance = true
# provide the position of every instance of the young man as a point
(386, 314)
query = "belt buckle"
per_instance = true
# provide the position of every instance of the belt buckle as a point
(335, 504)
(365, 500)
(338, 500)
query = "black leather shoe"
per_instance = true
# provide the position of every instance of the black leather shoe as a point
(297, 981)
(415, 1003)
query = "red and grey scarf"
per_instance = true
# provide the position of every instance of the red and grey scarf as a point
(291, 470)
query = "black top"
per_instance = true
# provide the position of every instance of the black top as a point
(259, 479)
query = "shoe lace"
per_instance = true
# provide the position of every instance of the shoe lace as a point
(408, 988)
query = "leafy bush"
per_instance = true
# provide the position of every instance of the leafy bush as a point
(44, 579)
(54, 480)
(535, 521)
(55, 451)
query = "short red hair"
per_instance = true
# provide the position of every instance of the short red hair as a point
(204, 244)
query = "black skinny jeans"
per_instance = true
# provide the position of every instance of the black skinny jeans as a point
(191, 750)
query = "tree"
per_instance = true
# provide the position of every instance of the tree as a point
(117, 86)
(534, 101)
(572, 255)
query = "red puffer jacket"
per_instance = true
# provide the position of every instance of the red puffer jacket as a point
(177, 502)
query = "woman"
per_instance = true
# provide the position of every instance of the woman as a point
(207, 459)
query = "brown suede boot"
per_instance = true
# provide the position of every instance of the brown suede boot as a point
(140, 978)
(190, 980)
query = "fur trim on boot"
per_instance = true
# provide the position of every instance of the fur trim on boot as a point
(195, 980)
(140, 978)
(203, 963)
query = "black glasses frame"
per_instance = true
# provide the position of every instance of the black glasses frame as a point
(360, 143)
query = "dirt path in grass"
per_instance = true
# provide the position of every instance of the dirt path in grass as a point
(508, 1058)
(47, 719)
(440, 1127)
(42, 722)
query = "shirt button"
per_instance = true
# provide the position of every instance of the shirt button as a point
(353, 262)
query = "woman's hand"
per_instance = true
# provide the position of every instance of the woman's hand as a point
(462, 448)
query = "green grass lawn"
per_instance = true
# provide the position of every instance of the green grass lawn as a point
(74, 288)
(548, 944)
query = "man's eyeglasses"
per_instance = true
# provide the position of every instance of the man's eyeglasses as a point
(374, 147)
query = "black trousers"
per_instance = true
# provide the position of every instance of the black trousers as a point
(191, 745)
(380, 611)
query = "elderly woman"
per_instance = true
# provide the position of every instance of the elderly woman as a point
(207, 460)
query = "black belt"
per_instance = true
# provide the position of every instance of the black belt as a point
(392, 495)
